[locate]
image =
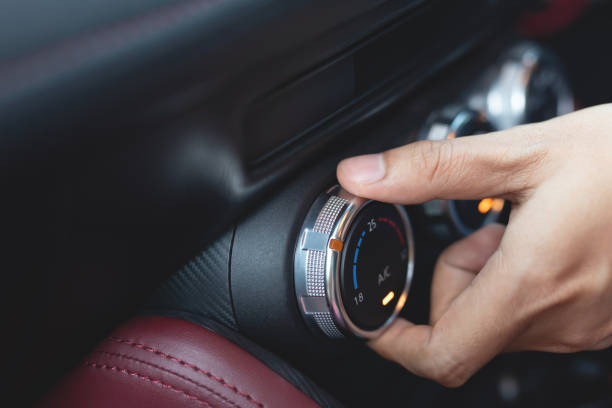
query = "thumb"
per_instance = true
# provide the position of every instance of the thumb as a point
(459, 264)
(498, 164)
(474, 314)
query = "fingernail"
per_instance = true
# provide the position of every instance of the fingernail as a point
(364, 169)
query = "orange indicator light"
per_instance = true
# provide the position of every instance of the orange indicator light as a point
(388, 298)
(487, 204)
(336, 244)
(498, 204)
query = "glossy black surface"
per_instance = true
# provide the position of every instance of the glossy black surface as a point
(374, 265)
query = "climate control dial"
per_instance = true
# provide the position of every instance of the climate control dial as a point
(353, 265)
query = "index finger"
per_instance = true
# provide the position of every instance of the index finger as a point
(499, 164)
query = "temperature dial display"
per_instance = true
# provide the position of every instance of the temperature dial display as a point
(374, 265)
(353, 265)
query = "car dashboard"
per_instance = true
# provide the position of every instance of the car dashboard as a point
(178, 158)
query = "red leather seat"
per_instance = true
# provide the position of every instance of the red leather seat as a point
(166, 362)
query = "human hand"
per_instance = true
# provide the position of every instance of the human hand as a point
(544, 282)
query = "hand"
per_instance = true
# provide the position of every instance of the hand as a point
(544, 282)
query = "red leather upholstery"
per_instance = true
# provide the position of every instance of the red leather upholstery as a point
(164, 362)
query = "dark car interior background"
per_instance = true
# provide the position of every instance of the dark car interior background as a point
(159, 158)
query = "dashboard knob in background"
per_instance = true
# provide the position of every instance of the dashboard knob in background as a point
(354, 262)
(456, 218)
(527, 85)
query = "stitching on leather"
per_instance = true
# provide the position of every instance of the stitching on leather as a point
(221, 397)
(186, 364)
(151, 380)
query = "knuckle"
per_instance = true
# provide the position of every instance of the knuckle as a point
(419, 156)
(443, 260)
(537, 143)
(436, 363)
(523, 154)
(434, 160)
(448, 372)
(528, 273)
(451, 375)
(529, 280)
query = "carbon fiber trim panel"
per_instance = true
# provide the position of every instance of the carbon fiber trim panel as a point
(202, 285)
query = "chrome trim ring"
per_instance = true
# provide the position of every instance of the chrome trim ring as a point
(317, 267)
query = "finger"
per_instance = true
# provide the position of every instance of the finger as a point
(499, 164)
(458, 265)
(478, 325)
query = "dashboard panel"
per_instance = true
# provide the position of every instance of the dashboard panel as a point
(194, 136)
(285, 260)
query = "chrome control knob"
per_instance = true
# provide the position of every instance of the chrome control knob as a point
(527, 86)
(354, 262)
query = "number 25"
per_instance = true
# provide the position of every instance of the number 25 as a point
(372, 224)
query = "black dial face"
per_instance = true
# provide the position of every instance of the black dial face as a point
(374, 265)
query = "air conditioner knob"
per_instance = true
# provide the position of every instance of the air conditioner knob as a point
(354, 262)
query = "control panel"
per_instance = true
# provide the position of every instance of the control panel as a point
(314, 264)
